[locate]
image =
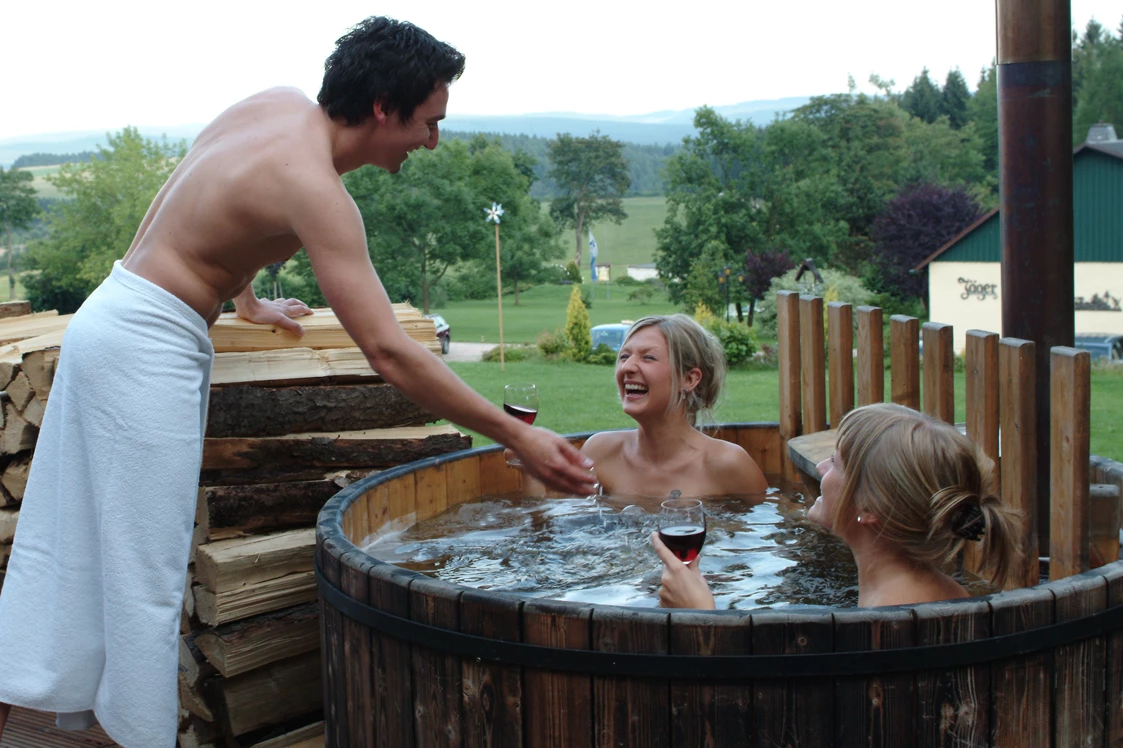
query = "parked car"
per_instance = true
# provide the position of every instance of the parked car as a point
(1102, 346)
(611, 335)
(443, 330)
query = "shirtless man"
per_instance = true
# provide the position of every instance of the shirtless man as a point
(90, 608)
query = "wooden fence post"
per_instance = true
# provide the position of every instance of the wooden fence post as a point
(1018, 437)
(904, 360)
(814, 374)
(1070, 421)
(939, 372)
(840, 337)
(871, 356)
(791, 414)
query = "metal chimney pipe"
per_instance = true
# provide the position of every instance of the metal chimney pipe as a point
(1035, 194)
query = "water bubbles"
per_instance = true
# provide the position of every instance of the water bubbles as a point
(597, 549)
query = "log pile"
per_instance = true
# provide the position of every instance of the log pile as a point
(291, 421)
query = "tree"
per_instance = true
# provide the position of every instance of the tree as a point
(1099, 58)
(592, 175)
(914, 224)
(109, 198)
(956, 98)
(18, 207)
(428, 219)
(983, 110)
(760, 269)
(577, 327)
(923, 98)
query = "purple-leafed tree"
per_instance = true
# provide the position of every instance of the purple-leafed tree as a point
(760, 269)
(914, 224)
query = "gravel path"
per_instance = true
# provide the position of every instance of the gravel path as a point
(467, 351)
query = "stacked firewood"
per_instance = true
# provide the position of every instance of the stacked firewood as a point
(291, 422)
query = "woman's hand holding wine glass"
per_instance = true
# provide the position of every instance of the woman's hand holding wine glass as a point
(678, 542)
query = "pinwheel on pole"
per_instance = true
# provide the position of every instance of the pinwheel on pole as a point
(493, 214)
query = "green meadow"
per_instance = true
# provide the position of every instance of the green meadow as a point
(630, 243)
(43, 188)
(542, 309)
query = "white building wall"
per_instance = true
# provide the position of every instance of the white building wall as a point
(642, 273)
(968, 296)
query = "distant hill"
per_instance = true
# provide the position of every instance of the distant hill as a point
(656, 128)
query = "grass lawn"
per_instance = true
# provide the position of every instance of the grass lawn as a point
(630, 243)
(43, 188)
(580, 397)
(540, 309)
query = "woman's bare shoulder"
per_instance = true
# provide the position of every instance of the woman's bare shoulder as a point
(605, 442)
(739, 472)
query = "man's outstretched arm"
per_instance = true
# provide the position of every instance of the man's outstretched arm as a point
(331, 228)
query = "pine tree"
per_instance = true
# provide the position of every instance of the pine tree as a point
(955, 99)
(923, 99)
(577, 327)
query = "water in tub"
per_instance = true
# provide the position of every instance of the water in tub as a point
(759, 552)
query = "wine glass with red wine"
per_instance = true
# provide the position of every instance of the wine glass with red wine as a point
(682, 528)
(521, 401)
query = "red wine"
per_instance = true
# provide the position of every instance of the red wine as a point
(685, 541)
(526, 415)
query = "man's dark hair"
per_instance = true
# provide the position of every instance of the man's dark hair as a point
(382, 58)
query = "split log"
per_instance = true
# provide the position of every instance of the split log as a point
(39, 366)
(374, 448)
(309, 736)
(272, 411)
(19, 391)
(193, 665)
(34, 412)
(277, 693)
(215, 608)
(291, 365)
(242, 646)
(321, 330)
(15, 329)
(234, 511)
(18, 435)
(8, 520)
(230, 564)
(15, 309)
(14, 477)
(198, 733)
(9, 367)
(192, 699)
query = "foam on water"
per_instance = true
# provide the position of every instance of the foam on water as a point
(758, 553)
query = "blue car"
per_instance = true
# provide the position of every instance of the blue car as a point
(611, 335)
(1102, 346)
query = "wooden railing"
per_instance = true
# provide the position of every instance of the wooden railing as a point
(1000, 409)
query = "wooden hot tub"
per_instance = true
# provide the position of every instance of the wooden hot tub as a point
(412, 661)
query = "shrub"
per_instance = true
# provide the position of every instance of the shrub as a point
(552, 344)
(512, 353)
(642, 294)
(577, 327)
(603, 355)
(737, 340)
(572, 272)
(836, 286)
(626, 280)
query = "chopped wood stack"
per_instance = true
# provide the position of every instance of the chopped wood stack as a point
(291, 421)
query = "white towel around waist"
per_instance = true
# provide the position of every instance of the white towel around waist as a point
(90, 607)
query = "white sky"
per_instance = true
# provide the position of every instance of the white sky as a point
(68, 66)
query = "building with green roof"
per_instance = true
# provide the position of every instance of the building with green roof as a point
(965, 278)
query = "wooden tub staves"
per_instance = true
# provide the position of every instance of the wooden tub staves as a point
(413, 661)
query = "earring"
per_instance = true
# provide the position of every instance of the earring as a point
(859, 519)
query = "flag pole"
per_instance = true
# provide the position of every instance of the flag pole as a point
(499, 288)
